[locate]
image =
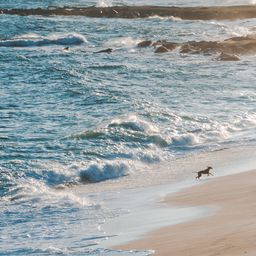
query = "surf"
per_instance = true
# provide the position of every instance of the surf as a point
(35, 40)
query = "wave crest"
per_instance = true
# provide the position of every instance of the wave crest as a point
(123, 42)
(129, 129)
(133, 122)
(104, 171)
(185, 140)
(31, 40)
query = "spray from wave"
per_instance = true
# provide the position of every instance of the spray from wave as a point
(123, 43)
(104, 3)
(32, 40)
(97, 172)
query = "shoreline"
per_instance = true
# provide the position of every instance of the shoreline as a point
(226, 161)
(231, 230)
(144, 206)
(132, 12)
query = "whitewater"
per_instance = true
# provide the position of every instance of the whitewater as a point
(81, 133)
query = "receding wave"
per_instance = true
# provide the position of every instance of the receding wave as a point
(31, 40)
(42, 185)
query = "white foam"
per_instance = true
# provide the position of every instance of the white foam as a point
(172, 18)
(145, 213)
(104, 3)
(123, 42)
(247, 120)
(135, 123)
(185, 140)
(31, 188)
(30, 40)
(235, 30)
(100, 171)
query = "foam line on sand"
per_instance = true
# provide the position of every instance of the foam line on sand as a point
(230, 231)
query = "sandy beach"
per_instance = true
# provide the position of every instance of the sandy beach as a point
(231, 230)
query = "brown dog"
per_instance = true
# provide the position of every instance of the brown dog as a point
(206, 171)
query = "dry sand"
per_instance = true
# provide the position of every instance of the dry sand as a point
(230, 231)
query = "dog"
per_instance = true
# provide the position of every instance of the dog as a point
(206, 171)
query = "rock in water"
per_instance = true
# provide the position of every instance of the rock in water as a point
(228, 57)
(145, 43)
(161, 49)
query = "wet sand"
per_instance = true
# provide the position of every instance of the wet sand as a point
(130, 12)
(230, 231)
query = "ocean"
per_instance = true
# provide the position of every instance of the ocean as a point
(107, 122)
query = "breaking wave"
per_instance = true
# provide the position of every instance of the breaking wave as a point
(45, 185)
(123, 42)
(31, 40)
(97, 172)
(185, 140)
(134, 123)
(129, 129)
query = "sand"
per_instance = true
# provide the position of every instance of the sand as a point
(130, 12)
(230, 231)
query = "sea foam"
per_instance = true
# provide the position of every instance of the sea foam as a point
(133, 122)
(185, 140)
(99, 171)
(171, 18)
(104, 3)
(31, 40)
(123, 42)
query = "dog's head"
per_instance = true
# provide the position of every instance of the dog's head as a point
(209, 167)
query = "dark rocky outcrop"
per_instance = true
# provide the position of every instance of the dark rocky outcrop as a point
(161, 49)
(228, 49)
(145, 43)
(228, 57)
(130, 12)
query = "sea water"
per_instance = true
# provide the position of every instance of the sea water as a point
(106, 121)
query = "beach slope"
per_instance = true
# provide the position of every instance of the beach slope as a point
(230, 231)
